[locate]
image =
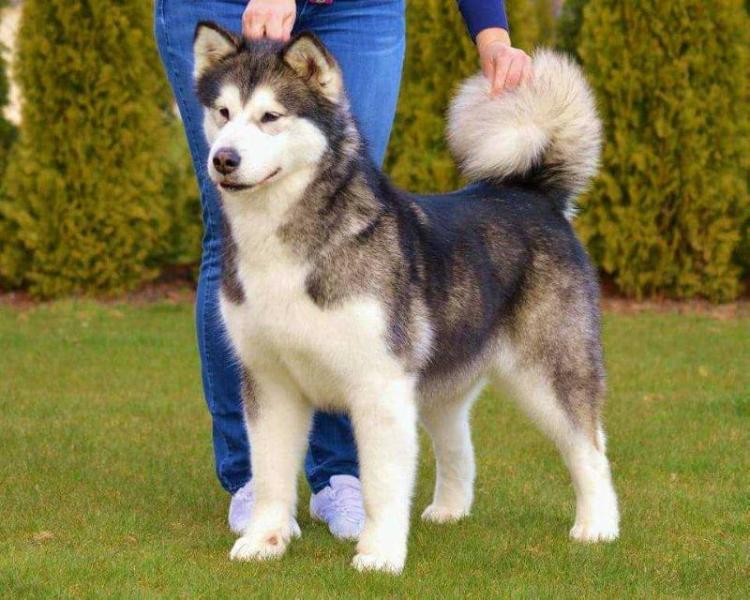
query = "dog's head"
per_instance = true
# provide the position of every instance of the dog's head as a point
(270, 108)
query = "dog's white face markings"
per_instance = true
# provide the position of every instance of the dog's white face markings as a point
(270, 141)
(214, 121)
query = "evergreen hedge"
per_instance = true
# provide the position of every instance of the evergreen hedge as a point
(569, 24)
(85, 207)
(99, 196)
(7, 130)
(439, 55)
(670, 209)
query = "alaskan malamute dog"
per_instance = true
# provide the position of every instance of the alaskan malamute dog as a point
(342, 293)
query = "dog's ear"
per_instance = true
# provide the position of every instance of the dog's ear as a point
(310, 59)
(211, 44)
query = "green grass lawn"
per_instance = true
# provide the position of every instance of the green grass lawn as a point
(107, 486)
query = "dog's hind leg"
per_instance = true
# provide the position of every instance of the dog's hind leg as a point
(568, 414)
(448, 426)
(597, 515)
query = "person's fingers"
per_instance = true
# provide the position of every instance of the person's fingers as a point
(274, 27)
(502, 65)
(286, 26)
(247, 19)
(527, 74)
(253, 23)
(514, 74)
(269, 18)
(257, 29)
(488, 68)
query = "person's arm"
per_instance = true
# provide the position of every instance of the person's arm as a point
(505, 66)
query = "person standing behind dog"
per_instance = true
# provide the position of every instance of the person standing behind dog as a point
(367, 38)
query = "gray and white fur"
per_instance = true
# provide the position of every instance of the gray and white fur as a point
(343, 293)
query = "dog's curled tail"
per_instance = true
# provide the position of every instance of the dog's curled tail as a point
(546, 132)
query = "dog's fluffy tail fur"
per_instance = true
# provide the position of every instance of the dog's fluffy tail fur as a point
(546, 132)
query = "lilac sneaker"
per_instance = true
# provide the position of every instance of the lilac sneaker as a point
(240, 508)
(340, 505)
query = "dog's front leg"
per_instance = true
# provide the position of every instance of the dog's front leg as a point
(385, 425)
(278, 425)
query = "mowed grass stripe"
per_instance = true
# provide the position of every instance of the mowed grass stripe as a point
(107, 486)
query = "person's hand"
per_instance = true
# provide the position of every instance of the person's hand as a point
(271, 19)
(506, 67)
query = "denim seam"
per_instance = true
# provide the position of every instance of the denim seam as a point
(312, 476)
(298, 18)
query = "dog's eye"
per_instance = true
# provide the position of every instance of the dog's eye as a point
(224, 112)
(270, 117)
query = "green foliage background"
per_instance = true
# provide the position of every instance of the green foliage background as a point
(7, 130)
(99, 195)
(569, 26)
(668, 214)
(84, 207)
(439, 55)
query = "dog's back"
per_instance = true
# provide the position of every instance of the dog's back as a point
(493, 256)
(495, 269)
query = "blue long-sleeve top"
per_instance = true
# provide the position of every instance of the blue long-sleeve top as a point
(478, 14)
(481, 14)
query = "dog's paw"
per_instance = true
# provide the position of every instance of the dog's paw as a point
(443, 514)
(599, 523)
(597, 530)
(373, 562)
(265, 547)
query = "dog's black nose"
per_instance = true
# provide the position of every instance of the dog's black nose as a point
(226, 160)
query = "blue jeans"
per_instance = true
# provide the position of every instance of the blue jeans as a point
(367, 37)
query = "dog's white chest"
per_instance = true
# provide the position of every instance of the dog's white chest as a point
(323, 351)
